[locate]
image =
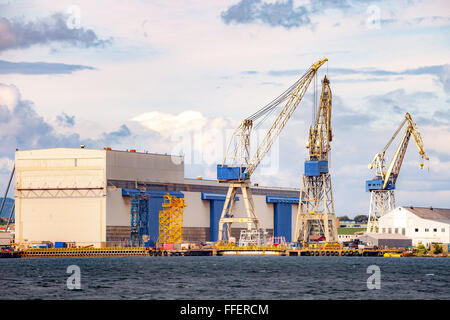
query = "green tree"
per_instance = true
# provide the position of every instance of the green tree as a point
(421, 249)
(437, 248)
(361, 218)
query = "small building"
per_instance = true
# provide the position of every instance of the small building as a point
(422, 225)
(349, 223)
(349, 234)
(385, 240)
(5, 237)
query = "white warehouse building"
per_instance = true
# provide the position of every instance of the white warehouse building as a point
(422, 225)
(82, 196)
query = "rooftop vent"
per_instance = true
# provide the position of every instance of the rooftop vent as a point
(82, 146)
(107, 148)
(132, 150)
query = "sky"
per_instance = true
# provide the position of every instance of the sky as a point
(166, 77)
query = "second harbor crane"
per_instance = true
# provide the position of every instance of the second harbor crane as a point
(382, 186)
(316, 214)
(237, 166)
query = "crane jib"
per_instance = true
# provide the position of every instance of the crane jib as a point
(242, 169)
(387, 177)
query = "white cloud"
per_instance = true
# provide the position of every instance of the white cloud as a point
(436, 138)
(201, 139)
(166, 124)
(437, 199)
(9, 96)
(438, 166)
(6, 164)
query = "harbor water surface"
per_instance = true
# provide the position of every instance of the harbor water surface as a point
(226, 278)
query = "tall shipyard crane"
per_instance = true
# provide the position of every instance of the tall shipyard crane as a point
(316, 205)
(382, 187)
(237, 169)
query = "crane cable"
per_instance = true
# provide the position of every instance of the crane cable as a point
(268, 109)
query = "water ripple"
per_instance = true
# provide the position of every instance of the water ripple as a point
(225, 278)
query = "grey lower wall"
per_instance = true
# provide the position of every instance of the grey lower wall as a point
(116, 234)
(120, 235)
(395, 243)
(195, 234)
(203, 234)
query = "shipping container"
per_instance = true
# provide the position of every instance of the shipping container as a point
(167, 246)
(42, 246)
(60, 245)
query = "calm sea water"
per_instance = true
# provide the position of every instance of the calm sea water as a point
(226, 278)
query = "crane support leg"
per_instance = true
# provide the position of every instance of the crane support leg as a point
(316, 209)
(227, 217)
(381, 202)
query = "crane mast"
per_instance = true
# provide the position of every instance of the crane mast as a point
(316, 206)
(382, 186)
(238, 167)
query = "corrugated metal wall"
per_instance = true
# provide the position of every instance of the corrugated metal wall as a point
(282, 220)
(216, 203)
(215, 210)
(282, 215)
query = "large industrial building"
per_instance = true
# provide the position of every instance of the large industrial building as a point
(82, 196)
(421, 225)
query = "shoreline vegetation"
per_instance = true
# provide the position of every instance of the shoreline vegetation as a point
(434, 250)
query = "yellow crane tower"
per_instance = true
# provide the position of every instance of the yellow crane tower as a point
(316, 206)
(382, 187)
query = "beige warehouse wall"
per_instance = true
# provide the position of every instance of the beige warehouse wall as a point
(60, 195)
(117, 208)
(294, 220)
(196, 214)
(60, 168)
(80, 220)
(264, 212)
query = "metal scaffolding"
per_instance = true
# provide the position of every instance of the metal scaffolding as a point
(171, 220)
(381, 202)
(139, 219)
(253, 238)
